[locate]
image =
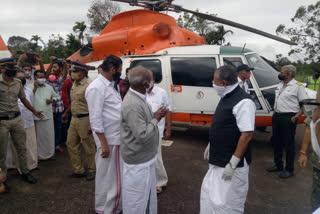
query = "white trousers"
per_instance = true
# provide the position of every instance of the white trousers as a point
(108, 182)
(139, 188)
(224, 197)
(45, 137)
(161, 174)
(32, 151)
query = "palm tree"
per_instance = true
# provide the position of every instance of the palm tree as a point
(79, 28)
(217, 36)
(35, 38)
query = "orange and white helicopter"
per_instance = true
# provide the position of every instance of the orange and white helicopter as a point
(181, 60)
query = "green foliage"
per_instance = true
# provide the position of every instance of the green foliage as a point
(214, 34)
(306, 32)
(79, 28)
(100, 14)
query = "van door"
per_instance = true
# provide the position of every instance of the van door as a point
(255, 93)
(191, 83)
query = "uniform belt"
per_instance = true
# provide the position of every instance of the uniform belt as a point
(10, 116)
(80, 115)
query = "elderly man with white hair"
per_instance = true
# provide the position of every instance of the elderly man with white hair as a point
(286, 115)
(139, 138)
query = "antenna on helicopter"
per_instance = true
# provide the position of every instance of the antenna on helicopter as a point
(166, 5)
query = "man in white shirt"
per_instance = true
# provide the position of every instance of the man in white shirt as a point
(287, 112)
(225, 186)
(244, 76)
(104, 104)
(158, 97)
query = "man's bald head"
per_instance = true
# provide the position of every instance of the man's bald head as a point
(138, 76)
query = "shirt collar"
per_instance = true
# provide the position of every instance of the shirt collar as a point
(240, 80)
(292, 82)
(154, 90)
(104, 80)
(142, 96)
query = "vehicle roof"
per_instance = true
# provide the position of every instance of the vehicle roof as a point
(204, 49)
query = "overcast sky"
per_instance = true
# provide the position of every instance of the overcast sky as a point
(26, 18)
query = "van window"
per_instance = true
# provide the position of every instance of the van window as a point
(234, 61)
(152, 64)
(193, 71)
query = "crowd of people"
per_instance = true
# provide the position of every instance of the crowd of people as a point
(120, 123)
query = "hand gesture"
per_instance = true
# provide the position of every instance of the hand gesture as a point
(89, 130)
(39, 114)
(302, 160)
(228, 172)
(39, 58)
(160, 113)
(23, 57)
(105, 150)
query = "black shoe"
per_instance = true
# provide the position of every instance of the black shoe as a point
(29, 178)
(77, 175)
(91, 176)
(285, 174)
(274, 169)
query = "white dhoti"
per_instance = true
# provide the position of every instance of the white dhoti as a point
(32, 151)
(224, 197)
(108, 182)
(139, 188)
(161, 174)
(45, 137)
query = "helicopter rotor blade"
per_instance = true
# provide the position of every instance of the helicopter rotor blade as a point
(237, 25)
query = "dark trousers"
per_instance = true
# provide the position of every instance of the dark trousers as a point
(57, 116)
(283, 131)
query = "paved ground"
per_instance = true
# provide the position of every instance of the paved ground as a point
(58, 193)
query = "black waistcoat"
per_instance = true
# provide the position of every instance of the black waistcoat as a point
(224, 132)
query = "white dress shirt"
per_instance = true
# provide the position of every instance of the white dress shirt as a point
(25, 113)
(159, 98)
(104, 104)
(143, 96)
(288, 97)
(243, 85)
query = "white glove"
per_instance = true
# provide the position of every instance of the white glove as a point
(230, 167)
(206, 152)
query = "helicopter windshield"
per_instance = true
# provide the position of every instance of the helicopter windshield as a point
(264, 74)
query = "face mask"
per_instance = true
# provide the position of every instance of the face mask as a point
(281, 77)
(11, 73)
(41, 81)
(75, 76)
(221, 90)
(28, 75)
(23, 81)
(149, 86)
(116, 76)
(52, 78)
(248, 75)
(152, 83)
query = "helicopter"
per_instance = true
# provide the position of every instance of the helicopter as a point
(182, 62)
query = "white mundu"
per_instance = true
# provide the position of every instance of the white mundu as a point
(159, 98)
(104, 104)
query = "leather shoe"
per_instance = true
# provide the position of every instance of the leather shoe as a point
(274, 169)
(77, 175)
(91, 176)
(285, 174)
(29, 178)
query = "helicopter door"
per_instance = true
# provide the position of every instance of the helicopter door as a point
(191, 84)
(255, 93)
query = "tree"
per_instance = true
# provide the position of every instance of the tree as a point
(35, 38)
(72, 44)
(214, 34)
(306, 32)
(79, 28)
(18, 43)
(100, 14)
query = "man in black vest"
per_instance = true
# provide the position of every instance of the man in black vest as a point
(225, 186)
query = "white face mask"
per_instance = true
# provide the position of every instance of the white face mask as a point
(41, 81)
(221, 90)
(151, 83)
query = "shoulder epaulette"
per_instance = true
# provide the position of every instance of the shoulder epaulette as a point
(299, 83)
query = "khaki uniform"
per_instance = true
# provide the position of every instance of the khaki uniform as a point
(9, 94)
(78, 131)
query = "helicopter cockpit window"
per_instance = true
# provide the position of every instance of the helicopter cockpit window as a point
(264, 74)
(152, 64)
(235, 62)
(193, 71)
